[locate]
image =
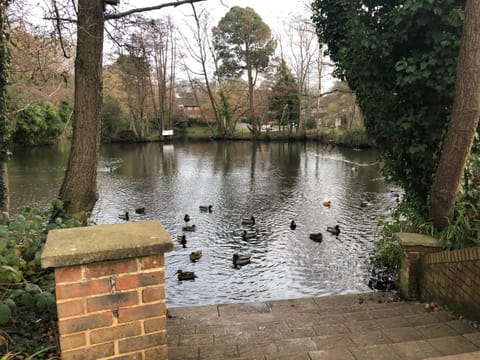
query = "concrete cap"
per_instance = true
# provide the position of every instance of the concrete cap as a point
(416, 240)
(84, 245)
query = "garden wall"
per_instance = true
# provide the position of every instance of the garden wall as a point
(450, 278)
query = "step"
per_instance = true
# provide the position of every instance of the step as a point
(368, 326)
(466, 356)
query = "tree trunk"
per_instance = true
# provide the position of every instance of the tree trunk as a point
(4, 72)
(251, 104)
(465, 114)
(79, 186)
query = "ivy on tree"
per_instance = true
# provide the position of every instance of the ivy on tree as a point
(400, 59)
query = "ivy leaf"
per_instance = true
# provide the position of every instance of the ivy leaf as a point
(5, 313)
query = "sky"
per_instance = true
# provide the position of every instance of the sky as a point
(272, 12)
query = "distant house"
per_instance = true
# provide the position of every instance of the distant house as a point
(188, 106)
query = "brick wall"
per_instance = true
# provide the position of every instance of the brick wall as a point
(113, 309)
(452, 278)
(110, 290)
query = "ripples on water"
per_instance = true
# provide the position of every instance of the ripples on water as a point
(276, 183)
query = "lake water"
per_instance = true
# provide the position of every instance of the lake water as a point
(275, 182)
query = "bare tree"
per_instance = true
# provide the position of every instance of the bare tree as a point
(79, 187)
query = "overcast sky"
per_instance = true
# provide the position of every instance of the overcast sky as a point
(272, 12)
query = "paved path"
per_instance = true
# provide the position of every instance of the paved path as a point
(369, 326)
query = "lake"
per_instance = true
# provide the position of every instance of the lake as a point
(274, 182)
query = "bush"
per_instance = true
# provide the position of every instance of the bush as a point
(38, 124)
(113, 119)
(355, 138)
(27, 292)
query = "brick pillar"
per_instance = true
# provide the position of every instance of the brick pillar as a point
(110, 290)
(414, 246)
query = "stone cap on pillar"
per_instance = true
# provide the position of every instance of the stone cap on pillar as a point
(412, 242)
(84, 245)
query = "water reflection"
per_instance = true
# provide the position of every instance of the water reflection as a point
(275, 182)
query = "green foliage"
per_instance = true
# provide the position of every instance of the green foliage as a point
(311, 123)
(38, 124)
(27, 300)
(113, 118)
(285, 96)
(355, 138)
(400, 59)
(242, 40)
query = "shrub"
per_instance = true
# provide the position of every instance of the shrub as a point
(27, 292)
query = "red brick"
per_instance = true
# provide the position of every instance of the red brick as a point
(68, 274)
(71, 308)
(92, 352)
(85, 323)
(141, 312)
(68, 342)
(156, 324)
(152, 262)
(142, 342)
(114, 333)
(82, 289)
(140, 280)
(112, 301)
(158, 353)
(110, 268)
(153, 294)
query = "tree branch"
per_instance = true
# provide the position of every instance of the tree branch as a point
(150, 8)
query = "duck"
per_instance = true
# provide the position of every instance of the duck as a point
(317, 237)
(140, 210)
(185, 275)
(327, 203)
(335, 230)
(183, 240)
(206, 208)
(249, 234)
(195, 255)
(125, 216)
(365, 203)
(240, 260)
(189, 227)
(249, 221)
(187, 218)
(293, 225)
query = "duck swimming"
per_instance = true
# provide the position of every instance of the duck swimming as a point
(240, 260)
(189, 227)
(293, 225)
(187, 218)
(335, 230)
(327, 203)
(365, 203)
(185, 275)
(125, 216)
(183, 240)
(195, 255)
(317, 237)
(206, 208)
(249, 234)
(249, 221)
(140, 210)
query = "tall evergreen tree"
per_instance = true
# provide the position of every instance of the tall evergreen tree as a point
(243, 42)
(285, 96)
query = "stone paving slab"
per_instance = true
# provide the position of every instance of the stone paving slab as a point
(372, 326)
